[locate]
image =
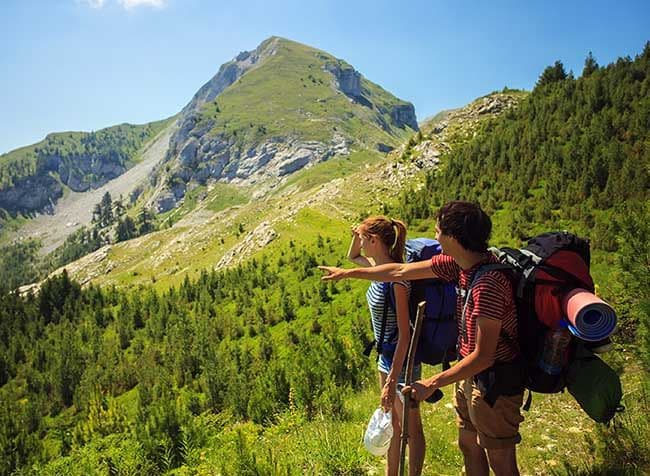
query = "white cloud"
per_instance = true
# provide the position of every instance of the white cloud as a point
(93, 3)
(128, 4)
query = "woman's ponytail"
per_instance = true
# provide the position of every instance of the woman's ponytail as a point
(399, 241)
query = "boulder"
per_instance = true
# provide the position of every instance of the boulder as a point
(297, 161)
(384, 148)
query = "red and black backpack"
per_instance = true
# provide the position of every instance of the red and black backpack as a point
(543, 272)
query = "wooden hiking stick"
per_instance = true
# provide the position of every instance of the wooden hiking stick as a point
(410, 361)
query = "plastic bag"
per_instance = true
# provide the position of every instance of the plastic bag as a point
(379, 432)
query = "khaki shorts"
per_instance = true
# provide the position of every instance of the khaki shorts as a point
(497, 426)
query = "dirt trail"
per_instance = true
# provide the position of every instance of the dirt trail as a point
(75, 209)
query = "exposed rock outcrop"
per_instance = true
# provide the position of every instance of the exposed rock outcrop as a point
(207, 147)
(404, 115)
(349, 79)
(228, 73)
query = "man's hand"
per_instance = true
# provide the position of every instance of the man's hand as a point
(333, 273)
(420, 390)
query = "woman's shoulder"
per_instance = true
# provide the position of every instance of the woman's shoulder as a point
(406, 284)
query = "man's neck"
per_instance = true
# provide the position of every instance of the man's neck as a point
(468, 259)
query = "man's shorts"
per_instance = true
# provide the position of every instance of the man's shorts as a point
(497, 426)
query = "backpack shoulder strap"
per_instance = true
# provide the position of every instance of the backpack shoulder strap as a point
(388, 301)
(477, 274)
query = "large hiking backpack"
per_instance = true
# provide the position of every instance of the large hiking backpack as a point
(543, 272)
(439, 334)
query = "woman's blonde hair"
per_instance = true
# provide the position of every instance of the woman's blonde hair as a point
(391, 232)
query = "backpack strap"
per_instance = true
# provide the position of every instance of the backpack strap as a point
(529, 400)
(388, 292)
(378, 344)
(477, 274)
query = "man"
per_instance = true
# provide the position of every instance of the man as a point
(489, 389)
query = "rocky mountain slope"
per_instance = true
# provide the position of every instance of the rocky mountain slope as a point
(75, 208)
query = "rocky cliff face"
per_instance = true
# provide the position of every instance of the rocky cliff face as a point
(404, 115)
(349, 79)
(31, 194)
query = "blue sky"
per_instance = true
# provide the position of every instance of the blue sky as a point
(88, 64)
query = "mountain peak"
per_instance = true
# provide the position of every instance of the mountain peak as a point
(273, 110)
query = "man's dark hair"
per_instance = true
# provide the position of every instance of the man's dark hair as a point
(467, 223)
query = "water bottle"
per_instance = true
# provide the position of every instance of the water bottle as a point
(554, 352)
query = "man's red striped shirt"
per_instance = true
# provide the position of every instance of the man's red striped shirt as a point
(492, 298)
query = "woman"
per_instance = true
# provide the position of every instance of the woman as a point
(382, 241)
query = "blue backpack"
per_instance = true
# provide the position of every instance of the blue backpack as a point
(439, 334)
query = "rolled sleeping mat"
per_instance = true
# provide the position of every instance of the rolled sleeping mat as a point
(590, 318)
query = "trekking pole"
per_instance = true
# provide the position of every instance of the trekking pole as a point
(410, 361)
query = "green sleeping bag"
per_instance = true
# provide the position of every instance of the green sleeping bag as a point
(595, 386)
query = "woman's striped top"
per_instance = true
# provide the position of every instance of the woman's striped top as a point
(375, 297)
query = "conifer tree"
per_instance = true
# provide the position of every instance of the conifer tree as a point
(590, 66)
(552, 74)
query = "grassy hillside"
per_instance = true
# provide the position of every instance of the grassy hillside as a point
(575, 149)
(224, 371)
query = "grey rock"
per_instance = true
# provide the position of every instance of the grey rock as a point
(301, 158)
(384, 148)
(202, 129)
(202, 174)
(188, 154)
(217, 166)
(165, 202)
(243, 56)
(184, 173)
(404, 115)
(178, 190)
(349, 79)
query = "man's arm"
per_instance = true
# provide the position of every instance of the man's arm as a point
(481, 358)
(389, 272)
